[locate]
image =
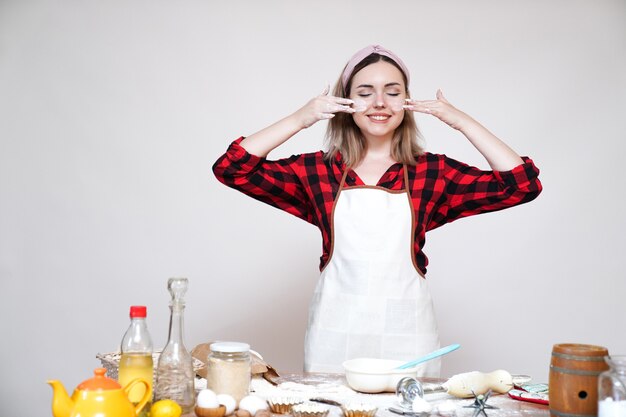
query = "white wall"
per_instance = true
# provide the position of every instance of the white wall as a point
(113, 112)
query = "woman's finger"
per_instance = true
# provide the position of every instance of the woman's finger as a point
(336, 100)
(421, 102)
(334, 108)
(419, 108)
(346, 109)
(441, 97)
(341, 100)
(326, 90)
(430, 105)
(342, 109)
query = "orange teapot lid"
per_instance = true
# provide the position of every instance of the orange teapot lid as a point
(99, 382)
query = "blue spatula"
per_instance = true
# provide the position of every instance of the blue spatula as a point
(432, 355)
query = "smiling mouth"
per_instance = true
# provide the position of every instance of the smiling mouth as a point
(379, 117)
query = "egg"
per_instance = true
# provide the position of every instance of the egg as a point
(420, 405)
(228, 402)
(207, 399)
(252, 404)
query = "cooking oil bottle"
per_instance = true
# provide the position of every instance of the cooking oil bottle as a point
(136, 360)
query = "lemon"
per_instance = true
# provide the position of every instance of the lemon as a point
(165, 408)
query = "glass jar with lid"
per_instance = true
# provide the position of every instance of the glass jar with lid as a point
(228, 369)
(612, 388)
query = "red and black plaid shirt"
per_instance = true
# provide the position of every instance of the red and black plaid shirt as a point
(442, 189)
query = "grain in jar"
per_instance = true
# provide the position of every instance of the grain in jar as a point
(228, 369)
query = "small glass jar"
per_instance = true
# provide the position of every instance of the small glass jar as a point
(612, 388)
(228, 369)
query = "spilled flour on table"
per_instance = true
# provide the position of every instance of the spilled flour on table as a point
(344, 395)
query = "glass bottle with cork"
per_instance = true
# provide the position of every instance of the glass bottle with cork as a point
(136, 359)
(175, 374)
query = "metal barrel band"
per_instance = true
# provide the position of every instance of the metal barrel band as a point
(575, 371)
(560, 414)
(578, 358)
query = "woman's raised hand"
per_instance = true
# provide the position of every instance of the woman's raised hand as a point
(497, 153)
(441, 109)
(322, 107)
(319, 108)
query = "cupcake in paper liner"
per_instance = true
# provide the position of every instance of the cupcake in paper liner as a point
(283, 405)
(357, 409)
(309, 410)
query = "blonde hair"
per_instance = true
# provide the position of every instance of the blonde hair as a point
(344, 136)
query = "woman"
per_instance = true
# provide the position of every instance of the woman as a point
(371, 299)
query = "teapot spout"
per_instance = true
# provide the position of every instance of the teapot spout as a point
(62, 404)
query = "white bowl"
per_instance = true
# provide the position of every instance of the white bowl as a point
(375, 375)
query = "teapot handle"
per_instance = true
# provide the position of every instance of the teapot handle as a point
(146, 395)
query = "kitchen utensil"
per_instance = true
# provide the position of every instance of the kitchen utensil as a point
(382, 375)
(465, 385)
(283, 405)
(407, 412)
(375, 375)
(356, 409)
(532, 397)
(210, 412)
(430, 356)
(309, 410)
(480, 404)
(350, 409)
(98, 396)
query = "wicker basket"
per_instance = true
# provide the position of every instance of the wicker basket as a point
(111, 362)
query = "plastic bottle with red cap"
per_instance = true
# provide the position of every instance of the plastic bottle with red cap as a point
(136, 360)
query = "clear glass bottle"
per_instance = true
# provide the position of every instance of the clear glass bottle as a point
(612, 388)
(175, 374)
(136, 359)
(228, 369)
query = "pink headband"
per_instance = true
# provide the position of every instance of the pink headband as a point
(364, 53)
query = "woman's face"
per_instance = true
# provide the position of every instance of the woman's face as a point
(378, 92)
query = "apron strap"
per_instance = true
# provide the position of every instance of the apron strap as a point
(343, 180)
(408, 194)
(332, 218)
(406, 180)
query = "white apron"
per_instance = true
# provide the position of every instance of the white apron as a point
(370, 300)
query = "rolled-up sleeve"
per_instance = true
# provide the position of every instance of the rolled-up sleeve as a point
(273, 182)
(470, 190)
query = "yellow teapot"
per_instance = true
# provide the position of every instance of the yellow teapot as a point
(98, 396)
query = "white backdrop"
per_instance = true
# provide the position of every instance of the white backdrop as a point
(112, 113)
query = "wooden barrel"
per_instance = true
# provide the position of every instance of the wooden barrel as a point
(574, 371)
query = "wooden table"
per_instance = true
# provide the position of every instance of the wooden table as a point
(507, 407)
